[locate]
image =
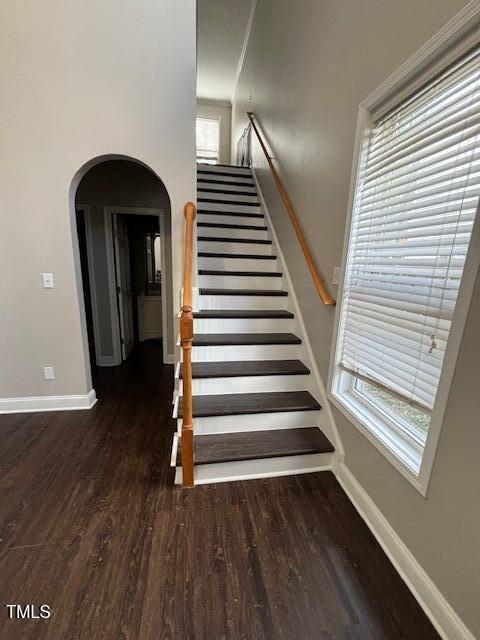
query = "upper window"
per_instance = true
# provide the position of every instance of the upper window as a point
(208, 132)
(416, 199)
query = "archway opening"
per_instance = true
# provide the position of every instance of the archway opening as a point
(123, 233)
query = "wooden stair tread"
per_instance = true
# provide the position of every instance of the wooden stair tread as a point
(244, 313)
(214, 339)
(242, 292)
(248, 403)
(233, 192)
(255, 445)
(242, 368)
(228, 183)
(229, 174)
(260, 274)
(220, 225)
(239, 214)
(241, 256)
(240, 203)
(244, 169)
(242, 240)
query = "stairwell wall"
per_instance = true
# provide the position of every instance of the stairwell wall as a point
(81, 80)
(307, 67)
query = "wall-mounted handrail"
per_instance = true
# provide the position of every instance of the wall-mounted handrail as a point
(186, 336)
(317, 279)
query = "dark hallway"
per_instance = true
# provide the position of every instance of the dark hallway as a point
(93, 527)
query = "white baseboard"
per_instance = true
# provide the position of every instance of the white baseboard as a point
(433, 603)
(170, 359)
(48, 403)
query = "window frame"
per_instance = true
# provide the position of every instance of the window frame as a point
(218, 120)
(454, 40)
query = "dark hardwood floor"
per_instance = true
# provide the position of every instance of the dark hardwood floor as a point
(91, 524)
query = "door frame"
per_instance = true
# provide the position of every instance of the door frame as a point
(108, 212)
(100, 360)
(124, 301)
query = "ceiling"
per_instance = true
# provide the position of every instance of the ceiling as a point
(222, 26)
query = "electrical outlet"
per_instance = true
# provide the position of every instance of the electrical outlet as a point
(336, 276)
(47, 279)
(49, 373)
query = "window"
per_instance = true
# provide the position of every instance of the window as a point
(208, 131)
(416, 199)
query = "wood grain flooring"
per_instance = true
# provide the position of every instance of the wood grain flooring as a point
(91, 524)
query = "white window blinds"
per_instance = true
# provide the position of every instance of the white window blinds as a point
(207, 140)
(416, 201)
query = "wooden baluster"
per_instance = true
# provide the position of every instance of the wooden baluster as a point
(317, 279)
(186, 335)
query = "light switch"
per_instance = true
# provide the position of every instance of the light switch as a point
(47, 280)
(49, 373)
(336, 276)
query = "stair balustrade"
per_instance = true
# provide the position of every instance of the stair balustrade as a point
(186, 336)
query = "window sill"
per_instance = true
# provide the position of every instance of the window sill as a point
(403, 457)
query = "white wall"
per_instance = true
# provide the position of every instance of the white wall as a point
(308, 66)
(223, 111)
(80, 80)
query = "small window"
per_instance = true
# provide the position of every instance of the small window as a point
(208, 132)
(416, 200)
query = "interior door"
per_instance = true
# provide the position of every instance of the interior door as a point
(124, 286)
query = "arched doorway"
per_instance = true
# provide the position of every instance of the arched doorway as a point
(122, 229)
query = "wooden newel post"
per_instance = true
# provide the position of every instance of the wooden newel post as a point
(186, 335)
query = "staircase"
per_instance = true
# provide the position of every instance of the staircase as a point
(256, 405)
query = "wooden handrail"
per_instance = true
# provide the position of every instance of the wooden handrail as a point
(317, 279)
(186, 335)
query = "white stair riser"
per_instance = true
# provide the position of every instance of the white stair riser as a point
(237, 264)
(214, 185)
(243, 325)
(240, 282)
(217, 168)
(243, 234)
(247, 384)
(263, 468)
(218, 179)
(243, 302)
(245, 352)
(231, 197)
(224, 218)
(211, 246)
(253, 422)
(219, 206)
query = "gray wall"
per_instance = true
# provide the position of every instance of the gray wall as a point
(123, 184)
(80, 80)
(308, 65)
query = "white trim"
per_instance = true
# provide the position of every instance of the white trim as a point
(246, 38)
(438, 610)
(337, 442)
(173, 455)
(217, 472)
(48, 403)
(169, 359)
(108, 211)
(442, 43)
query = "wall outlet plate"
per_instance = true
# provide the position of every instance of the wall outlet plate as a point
(49, 373)
(47, 279)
